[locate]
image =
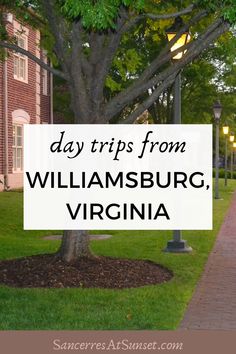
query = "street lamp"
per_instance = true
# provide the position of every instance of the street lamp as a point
(184, 39)
(231, 139)
(177, 245)
(226, 132)
(225, 129)
(217, 110)
(234, 153)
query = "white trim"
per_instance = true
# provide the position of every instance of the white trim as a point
(9, 17)
(21, 57)
(18, 147)
(26, 70)
(19, 29)
(19, 116)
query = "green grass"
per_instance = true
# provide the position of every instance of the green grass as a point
(150, 307)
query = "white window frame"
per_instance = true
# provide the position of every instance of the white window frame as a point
(21, 57)
(16, 147)
(20, 118)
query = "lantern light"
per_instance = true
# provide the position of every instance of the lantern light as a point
(226, 130)
(231, 137)
(217, 109)
(183, 40)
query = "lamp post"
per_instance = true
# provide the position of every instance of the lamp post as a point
(171, 32)
(231, 139)
(217, 110)
(177, 245)
(226, 132)
(234, 152)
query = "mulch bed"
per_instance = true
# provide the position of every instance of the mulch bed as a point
(48, 271)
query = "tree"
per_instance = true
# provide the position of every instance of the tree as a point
(85, 38)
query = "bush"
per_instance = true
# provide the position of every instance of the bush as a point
(222, 173)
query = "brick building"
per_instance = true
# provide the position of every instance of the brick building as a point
(25, 98)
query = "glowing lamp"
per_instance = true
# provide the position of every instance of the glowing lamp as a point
(226, 130)
(183, 40)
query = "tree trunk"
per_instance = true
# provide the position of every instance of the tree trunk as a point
(75, 245)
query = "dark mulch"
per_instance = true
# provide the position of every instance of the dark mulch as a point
(48, 271)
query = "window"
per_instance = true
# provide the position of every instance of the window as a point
(17, 148)
(21, 61)
(45, 75)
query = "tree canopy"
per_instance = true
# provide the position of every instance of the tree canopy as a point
(111, 52)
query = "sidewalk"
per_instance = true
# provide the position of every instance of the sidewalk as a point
(213, 305)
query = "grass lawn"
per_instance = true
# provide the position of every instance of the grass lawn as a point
(150, 307)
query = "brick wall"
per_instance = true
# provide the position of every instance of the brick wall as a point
(1, 121)
(22, 96)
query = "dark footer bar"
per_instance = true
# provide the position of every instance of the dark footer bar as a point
(184, 342)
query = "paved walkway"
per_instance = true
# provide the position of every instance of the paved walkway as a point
(213, 305)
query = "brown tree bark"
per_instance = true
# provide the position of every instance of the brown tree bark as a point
(75, 245)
